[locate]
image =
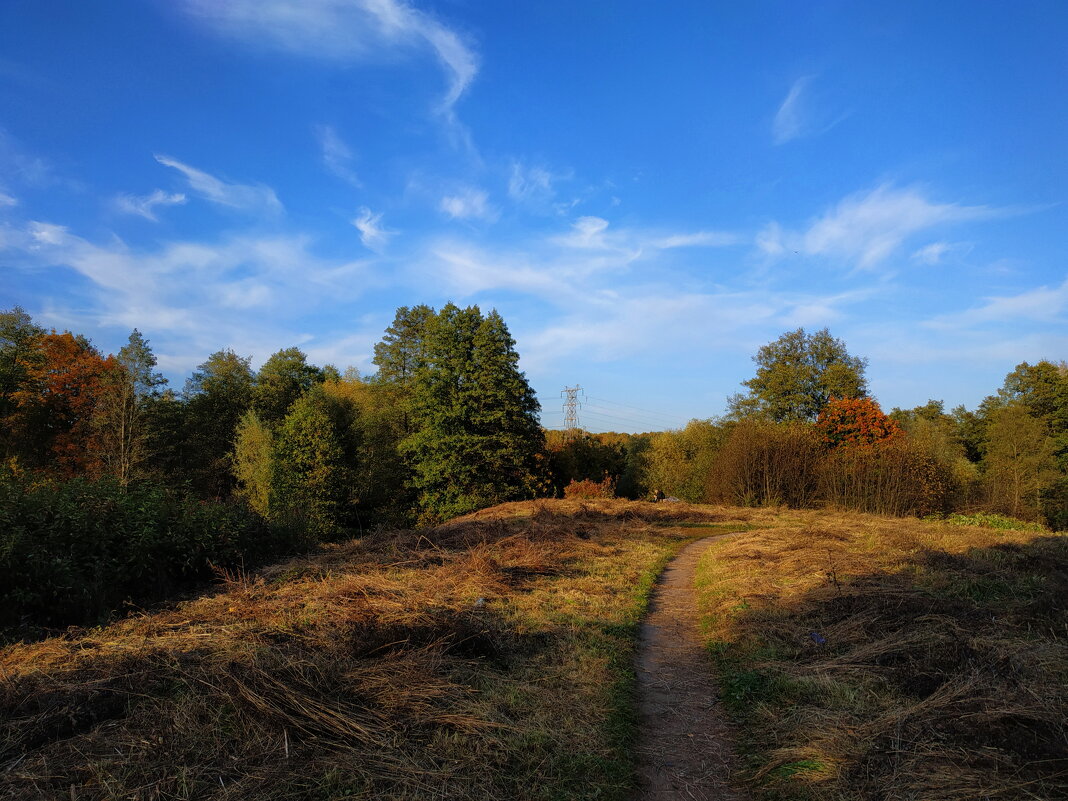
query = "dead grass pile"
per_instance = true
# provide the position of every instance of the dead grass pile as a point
(486, 658)
(874, 658)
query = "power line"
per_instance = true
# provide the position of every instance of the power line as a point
(637, 408)
(626, 422)
(630, 417)
(627, 416)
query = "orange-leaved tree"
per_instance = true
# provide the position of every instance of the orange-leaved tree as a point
(56, 402)
(856, 422)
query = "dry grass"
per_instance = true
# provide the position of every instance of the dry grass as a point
(487, 658)
(880, 658)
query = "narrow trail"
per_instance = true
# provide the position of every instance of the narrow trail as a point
(685, 750)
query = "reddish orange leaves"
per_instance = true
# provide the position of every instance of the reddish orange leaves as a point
(856, 423)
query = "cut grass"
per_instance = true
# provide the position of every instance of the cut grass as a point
(873, 658)
(488, 658)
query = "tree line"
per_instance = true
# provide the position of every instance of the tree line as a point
(115, 486)
(281, 457)
(807, 433)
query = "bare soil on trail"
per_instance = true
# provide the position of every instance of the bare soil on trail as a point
(685, 751)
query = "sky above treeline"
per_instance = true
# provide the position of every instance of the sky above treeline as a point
(647, 192)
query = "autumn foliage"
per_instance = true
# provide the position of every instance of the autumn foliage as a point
(65, 378)
(856, 423)
(588, 488)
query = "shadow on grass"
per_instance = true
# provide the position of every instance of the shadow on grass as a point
(941, 676)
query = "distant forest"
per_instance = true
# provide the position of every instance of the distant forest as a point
(115, 488)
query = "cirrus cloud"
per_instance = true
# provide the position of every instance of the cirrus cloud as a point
(345, 30)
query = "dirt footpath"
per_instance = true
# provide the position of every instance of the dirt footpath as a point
(685, 748)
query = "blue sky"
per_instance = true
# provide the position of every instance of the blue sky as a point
(647, 192)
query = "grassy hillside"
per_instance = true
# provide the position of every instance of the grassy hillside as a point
(878, 658)
(487, 658)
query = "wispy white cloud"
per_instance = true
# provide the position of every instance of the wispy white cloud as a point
(348, 350)
(586, 232)
(468, 271)
(22, 167)
(7, 200)
(527, 183)
(800, 114)
(469, 204)
(792, 117)
(646, 322)
(1044, 304)
(372, 233)
(256, 199)
(336, 154)
(144, 205)
(594, 233)
(696, 239)
(240, 291)
(867, 227)
(534, 186)
(938, 252)
(346, 30)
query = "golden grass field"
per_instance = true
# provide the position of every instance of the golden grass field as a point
(861, 657)
(488, 658)
(869, 657)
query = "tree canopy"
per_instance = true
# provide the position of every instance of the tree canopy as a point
(282, 379)
(797, 375)
(476, 438)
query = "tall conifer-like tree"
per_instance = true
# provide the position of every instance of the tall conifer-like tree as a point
(398, 358)
(402, 349)
(476, 440)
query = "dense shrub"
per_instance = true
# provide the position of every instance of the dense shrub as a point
(764, 463)
(587, 488)
(72, 551)
(893, 478)
(678, 462)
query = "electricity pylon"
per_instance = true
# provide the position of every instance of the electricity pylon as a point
(571, 407)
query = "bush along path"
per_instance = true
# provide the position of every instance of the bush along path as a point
(685, 749)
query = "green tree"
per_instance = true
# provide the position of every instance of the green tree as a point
(309, 476)
(797, 375)
(1019, 463)
(402, 350)
(476, 438)
(400, 354)
(169, 447)
(20, 353)
(380, 476)
(1043, 389)
(282, 379)
(253, 447)
(216, 395)
(121, 416)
